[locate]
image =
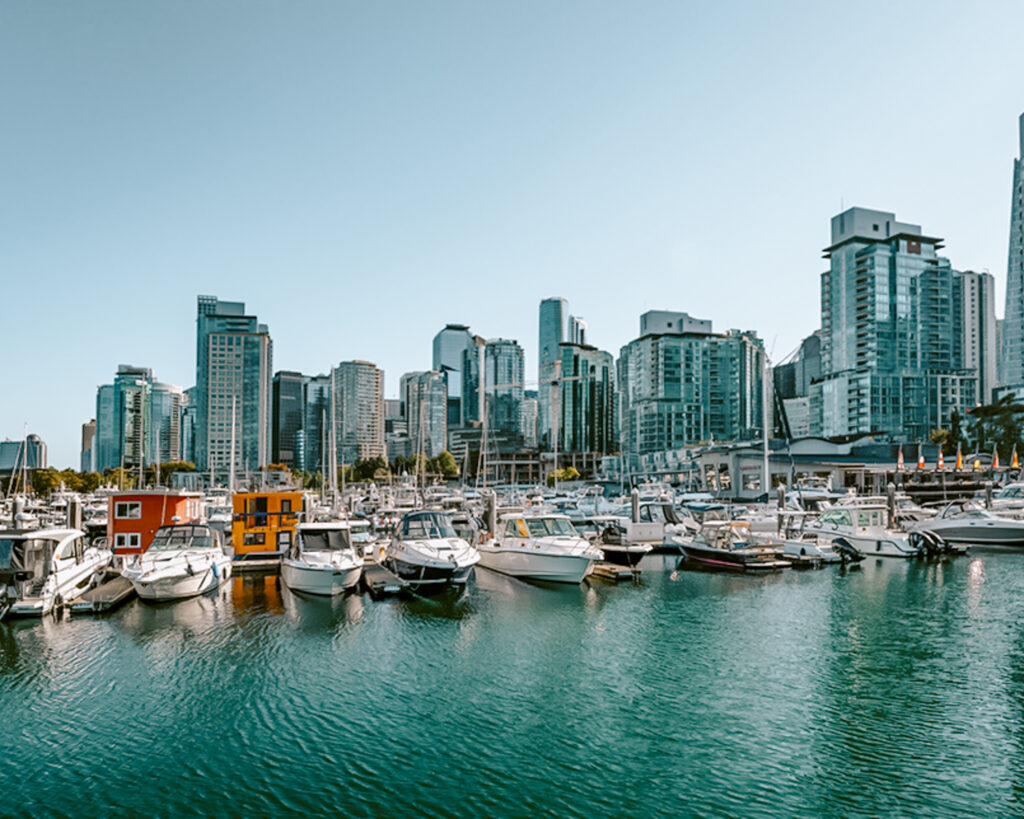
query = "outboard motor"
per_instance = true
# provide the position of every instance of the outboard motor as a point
(848, 553)
(929, 545)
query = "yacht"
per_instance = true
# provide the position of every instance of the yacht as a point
(428, 555)
(723, 545)
(539, 547)
(324, 559)
(184, 560)
(40, 569)
(967, 523)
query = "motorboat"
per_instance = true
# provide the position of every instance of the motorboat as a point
(865, 528)
(184, 560)
(804, 547)
(324, 558)
(41, 569)
(968, 523)
(540, 546)
(726, 545)
(611, 534)
(427, 553)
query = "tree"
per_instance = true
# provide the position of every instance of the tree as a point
(44, 481)
(939, 436)
(570, 473)
(447, 466)
(998, 423)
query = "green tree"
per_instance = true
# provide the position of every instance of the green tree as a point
(447, 466)
(940, 437)
(44, 481)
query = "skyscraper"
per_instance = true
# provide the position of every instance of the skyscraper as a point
(288, 411)
(552, 324)
(88, 436)
(138, 419)
(234, 357)
(981, 347)
(316, 422)
(358, 388)
(503, 379)
(892, 325)
(424, 397)
(681, 384)
(587, 397)
(163, 430)
(1012, 354)
(450, 346)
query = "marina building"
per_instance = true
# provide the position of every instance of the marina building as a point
(358, 388)
(681, 384)
(1012, 355)
(234, 356)
(892, 332)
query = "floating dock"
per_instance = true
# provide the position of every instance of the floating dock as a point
(381, 581)
(269, 564)
(103, 597)
(612, 572)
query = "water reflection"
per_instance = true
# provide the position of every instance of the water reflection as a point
(314, 612)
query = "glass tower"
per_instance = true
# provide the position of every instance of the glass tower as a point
(553, 318)
(1012, 354)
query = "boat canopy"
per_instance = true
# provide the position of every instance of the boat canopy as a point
(25, 558)
(325, 540)
(426, 526)
(183, 536)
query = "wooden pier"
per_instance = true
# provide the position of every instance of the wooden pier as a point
(270, 564)
(103, 597)
(612, 572)
(380, 581)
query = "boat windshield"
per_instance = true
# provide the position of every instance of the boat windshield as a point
(325, 540)
(360, 532)
(427, 526)
(186, 537)
(26, 554)
(548, 527)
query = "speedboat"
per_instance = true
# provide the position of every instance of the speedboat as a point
(323, 559)
(968, 523)
(865, 528)
(428, 554)
(183, 560)
(539, 547)
(726, 546)
(41, 569)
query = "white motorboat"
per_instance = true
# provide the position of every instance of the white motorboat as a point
(426, 552)
(539, 547)
(967, 523)
(802, 546)
(323, 559)
(183, 560)
(865, 529)
(40, 569)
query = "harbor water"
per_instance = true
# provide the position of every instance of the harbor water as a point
(896, 688)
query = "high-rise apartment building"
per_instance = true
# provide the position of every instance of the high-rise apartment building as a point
(504, 370)
(138, 420)
(586, 400)
(576, 332)
(163, 432)
(892, 332)
(1012, 351)
(234, 357)
(681, 384)
(425, 400)
(316, 423)
(552, 325)
(980, 342)
(87, 463)
(358, 388)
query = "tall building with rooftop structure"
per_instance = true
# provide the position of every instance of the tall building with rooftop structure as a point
(553, 319)
(587, 400)
(425, 401)
(449, 349)
(288, 415)
(234, 360)
(358, 388)
(892, 332)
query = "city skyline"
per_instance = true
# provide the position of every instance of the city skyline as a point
(624, 160)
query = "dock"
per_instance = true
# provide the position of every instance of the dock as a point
(270, 564)
(103, 597)
(380, 581)
(612, 572)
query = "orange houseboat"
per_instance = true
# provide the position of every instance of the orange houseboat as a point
(263, 523)
(134, 517)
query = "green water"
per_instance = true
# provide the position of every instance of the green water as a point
(894, 689)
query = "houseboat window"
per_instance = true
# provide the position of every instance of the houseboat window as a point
(253, 539)
(128, 510)
(284, 540)
(127, 540)
(548, 527)
(257, 508)
(286, 507)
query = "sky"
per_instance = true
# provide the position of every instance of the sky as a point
(361, 174)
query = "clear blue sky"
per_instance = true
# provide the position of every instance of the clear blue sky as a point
(362, 173)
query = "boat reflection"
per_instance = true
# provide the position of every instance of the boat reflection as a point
(255, 593)
(314, 612)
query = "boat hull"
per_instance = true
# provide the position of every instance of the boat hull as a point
(552, 568)
(722, 560)
(424, 579)
(320, 580)
(180, 587)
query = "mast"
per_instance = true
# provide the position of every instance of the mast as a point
(231, 474)
(334, 451)
(765, 421)
(556, 396)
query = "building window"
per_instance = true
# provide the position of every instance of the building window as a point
(127, 510)
(253, 539)
(127, 540)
